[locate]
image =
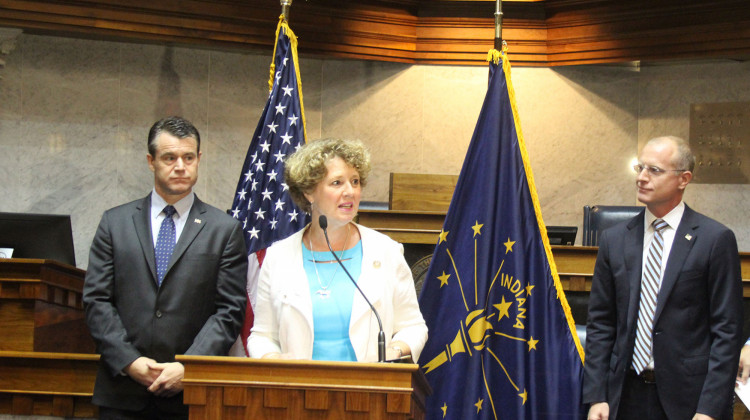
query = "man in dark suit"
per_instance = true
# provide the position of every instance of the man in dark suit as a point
(166, 276)
(665, 310)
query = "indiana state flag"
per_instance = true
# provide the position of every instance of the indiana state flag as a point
(502, 340)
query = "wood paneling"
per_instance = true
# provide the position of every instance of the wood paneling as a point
(421, 192)
(596, 31)
(539, 33)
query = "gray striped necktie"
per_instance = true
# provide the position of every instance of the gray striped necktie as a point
(649, 292)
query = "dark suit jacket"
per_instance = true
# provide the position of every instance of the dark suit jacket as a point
(198, 309)
(697, 324)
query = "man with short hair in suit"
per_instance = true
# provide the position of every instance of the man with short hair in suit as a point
(665, 311)
(166, 276)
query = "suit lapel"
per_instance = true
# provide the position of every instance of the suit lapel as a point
(142, 224)
(681, 247)
(194, 224)
(634, 266)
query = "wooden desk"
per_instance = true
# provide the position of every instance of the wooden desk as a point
(575, 265)
(47, 384)
(405, 226)
(41, 307)
(47, 365)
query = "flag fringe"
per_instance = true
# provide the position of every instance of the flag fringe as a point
(495, 56)
(284, 25)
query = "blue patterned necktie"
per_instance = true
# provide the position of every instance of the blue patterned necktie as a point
(649, 292)
(165, 243)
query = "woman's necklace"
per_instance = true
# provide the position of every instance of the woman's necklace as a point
(323, 292)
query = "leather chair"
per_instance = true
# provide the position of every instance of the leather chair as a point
(597, 218)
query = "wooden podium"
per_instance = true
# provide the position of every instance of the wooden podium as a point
(41, 307)
(224, 388)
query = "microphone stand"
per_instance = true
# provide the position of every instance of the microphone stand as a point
(323, 222)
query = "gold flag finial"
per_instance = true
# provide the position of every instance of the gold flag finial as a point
(285, 5)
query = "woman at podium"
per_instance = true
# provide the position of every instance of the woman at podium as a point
(308, 305)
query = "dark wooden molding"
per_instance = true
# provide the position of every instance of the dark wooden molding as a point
(538, 33)
(597, 31)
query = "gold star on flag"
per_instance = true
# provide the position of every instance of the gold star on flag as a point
(445, 409)
(479, 405)
(524, 395)
(532, 343)
(443, 236)
(528, 290)
(509, 246)
(443, 279)
(477, 228)
(503, 308)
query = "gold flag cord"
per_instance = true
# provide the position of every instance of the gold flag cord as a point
(284, 25)
(495, 56)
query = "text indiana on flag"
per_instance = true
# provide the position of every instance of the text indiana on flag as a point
(262, 201)
(502, 342)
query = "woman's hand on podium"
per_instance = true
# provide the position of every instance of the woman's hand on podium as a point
(396, 350)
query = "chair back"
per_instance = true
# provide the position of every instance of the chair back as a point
(597, 218)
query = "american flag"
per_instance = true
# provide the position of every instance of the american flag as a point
(262, 201)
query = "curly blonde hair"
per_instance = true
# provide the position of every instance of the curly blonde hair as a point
(306, 168)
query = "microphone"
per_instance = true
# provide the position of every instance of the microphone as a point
(323, 222)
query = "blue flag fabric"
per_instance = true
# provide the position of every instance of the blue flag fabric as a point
(262, 201)
(502, 342)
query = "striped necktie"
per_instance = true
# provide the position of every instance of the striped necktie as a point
(165, 243)
(649, 292)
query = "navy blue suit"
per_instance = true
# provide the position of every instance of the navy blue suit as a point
(697, 324)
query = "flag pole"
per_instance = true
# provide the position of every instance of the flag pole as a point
(285, 5)
(499, 25)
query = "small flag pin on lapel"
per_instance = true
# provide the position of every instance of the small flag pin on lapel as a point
(688, 237)
(198, 221)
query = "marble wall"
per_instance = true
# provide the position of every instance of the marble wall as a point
(74, 115)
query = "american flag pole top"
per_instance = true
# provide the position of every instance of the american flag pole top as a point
(499, 25)
(285, 5)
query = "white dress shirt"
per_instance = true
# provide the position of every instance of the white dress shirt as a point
(180, 217)
(673, 219)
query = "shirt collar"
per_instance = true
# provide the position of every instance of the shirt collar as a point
(672, 218)
(183, 206)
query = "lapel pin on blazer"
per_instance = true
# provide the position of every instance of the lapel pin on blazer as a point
(198, 221)
(688, 237)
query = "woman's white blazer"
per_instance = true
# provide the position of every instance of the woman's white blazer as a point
(283, 310)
